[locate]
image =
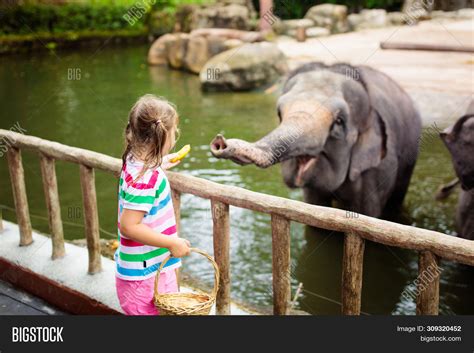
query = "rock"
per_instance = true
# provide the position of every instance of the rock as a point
(217, 16)
(290, 27)
(176, 49)
(444, 15)
(191, 51)
(368, 19)
(415, 15)
(246, 36)
(244, 68)
(354, 20)
(232, 43)
(314, 32)
(396, 18)
(374, 18)
(200, 49)
(197, 54)
(294, 24)
(216, 45)
(467, 14)
(332, 17)
(462, 14)
(157, 55)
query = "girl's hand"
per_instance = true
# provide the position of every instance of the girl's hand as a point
(166, 164)
(180, 247)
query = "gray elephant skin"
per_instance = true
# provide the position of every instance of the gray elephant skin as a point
(347, 134)
(459, 139)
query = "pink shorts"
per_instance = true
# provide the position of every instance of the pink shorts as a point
(136, 297)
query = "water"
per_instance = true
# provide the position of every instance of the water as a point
(82, 99)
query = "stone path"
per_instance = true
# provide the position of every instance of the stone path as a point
(441, 83)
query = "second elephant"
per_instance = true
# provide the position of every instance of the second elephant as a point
(459, 139)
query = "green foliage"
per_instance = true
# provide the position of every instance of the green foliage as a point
(99, 15)
(70, 17)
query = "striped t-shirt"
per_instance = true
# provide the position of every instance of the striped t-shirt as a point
(150, 193)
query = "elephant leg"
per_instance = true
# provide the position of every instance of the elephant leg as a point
(465, 214)
(394, 205)
(368, 202)
(362, 196)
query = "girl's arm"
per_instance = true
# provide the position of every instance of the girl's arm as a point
(131, 227)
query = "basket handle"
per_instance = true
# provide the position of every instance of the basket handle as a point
(198, 251)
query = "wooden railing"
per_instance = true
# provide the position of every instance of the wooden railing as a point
(431, 245)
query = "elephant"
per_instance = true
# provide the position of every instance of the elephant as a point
(347, 134)
(459, 139)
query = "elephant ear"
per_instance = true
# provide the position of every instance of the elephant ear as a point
(370, 148)
(459, 140)
(379, 133)
(369, 139)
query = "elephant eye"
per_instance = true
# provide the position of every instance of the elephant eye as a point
(339, 121)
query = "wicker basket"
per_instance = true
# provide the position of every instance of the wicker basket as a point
(187, 303)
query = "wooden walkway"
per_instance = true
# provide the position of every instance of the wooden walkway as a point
(14, 301)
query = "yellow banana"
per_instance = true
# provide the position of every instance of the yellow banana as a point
(181, 153)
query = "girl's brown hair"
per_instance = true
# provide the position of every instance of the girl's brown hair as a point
(151, 122)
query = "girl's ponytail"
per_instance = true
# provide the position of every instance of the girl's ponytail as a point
(151, 122)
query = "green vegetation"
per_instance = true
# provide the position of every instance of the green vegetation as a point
(58, 19)
(98, 15)
(35, 25)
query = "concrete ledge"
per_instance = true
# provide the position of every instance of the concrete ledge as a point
(63, 282)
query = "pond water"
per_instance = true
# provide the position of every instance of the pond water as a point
(82, 98)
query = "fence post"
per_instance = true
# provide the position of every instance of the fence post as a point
(221, 237)
(352, 265)
(91, 218)
(281, 264)
(427, 299)
(50, 187)
(176, 197)
(17, 178)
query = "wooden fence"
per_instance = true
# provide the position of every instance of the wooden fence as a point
(430, 245)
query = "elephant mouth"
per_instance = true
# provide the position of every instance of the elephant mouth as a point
(303, 165)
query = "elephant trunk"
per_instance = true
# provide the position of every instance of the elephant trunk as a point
(286, 141)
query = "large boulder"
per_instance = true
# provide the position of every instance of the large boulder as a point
(176, 50)
(330, 16)
(158, 55)
(191, 51)
(396, 18)
(200, 49)
(368, 19)
(315, 32)
(197, 53)
(294, 24)
(244, 68)
(463, 14)
(218, 16)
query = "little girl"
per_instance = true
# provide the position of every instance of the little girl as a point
(147, 226)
